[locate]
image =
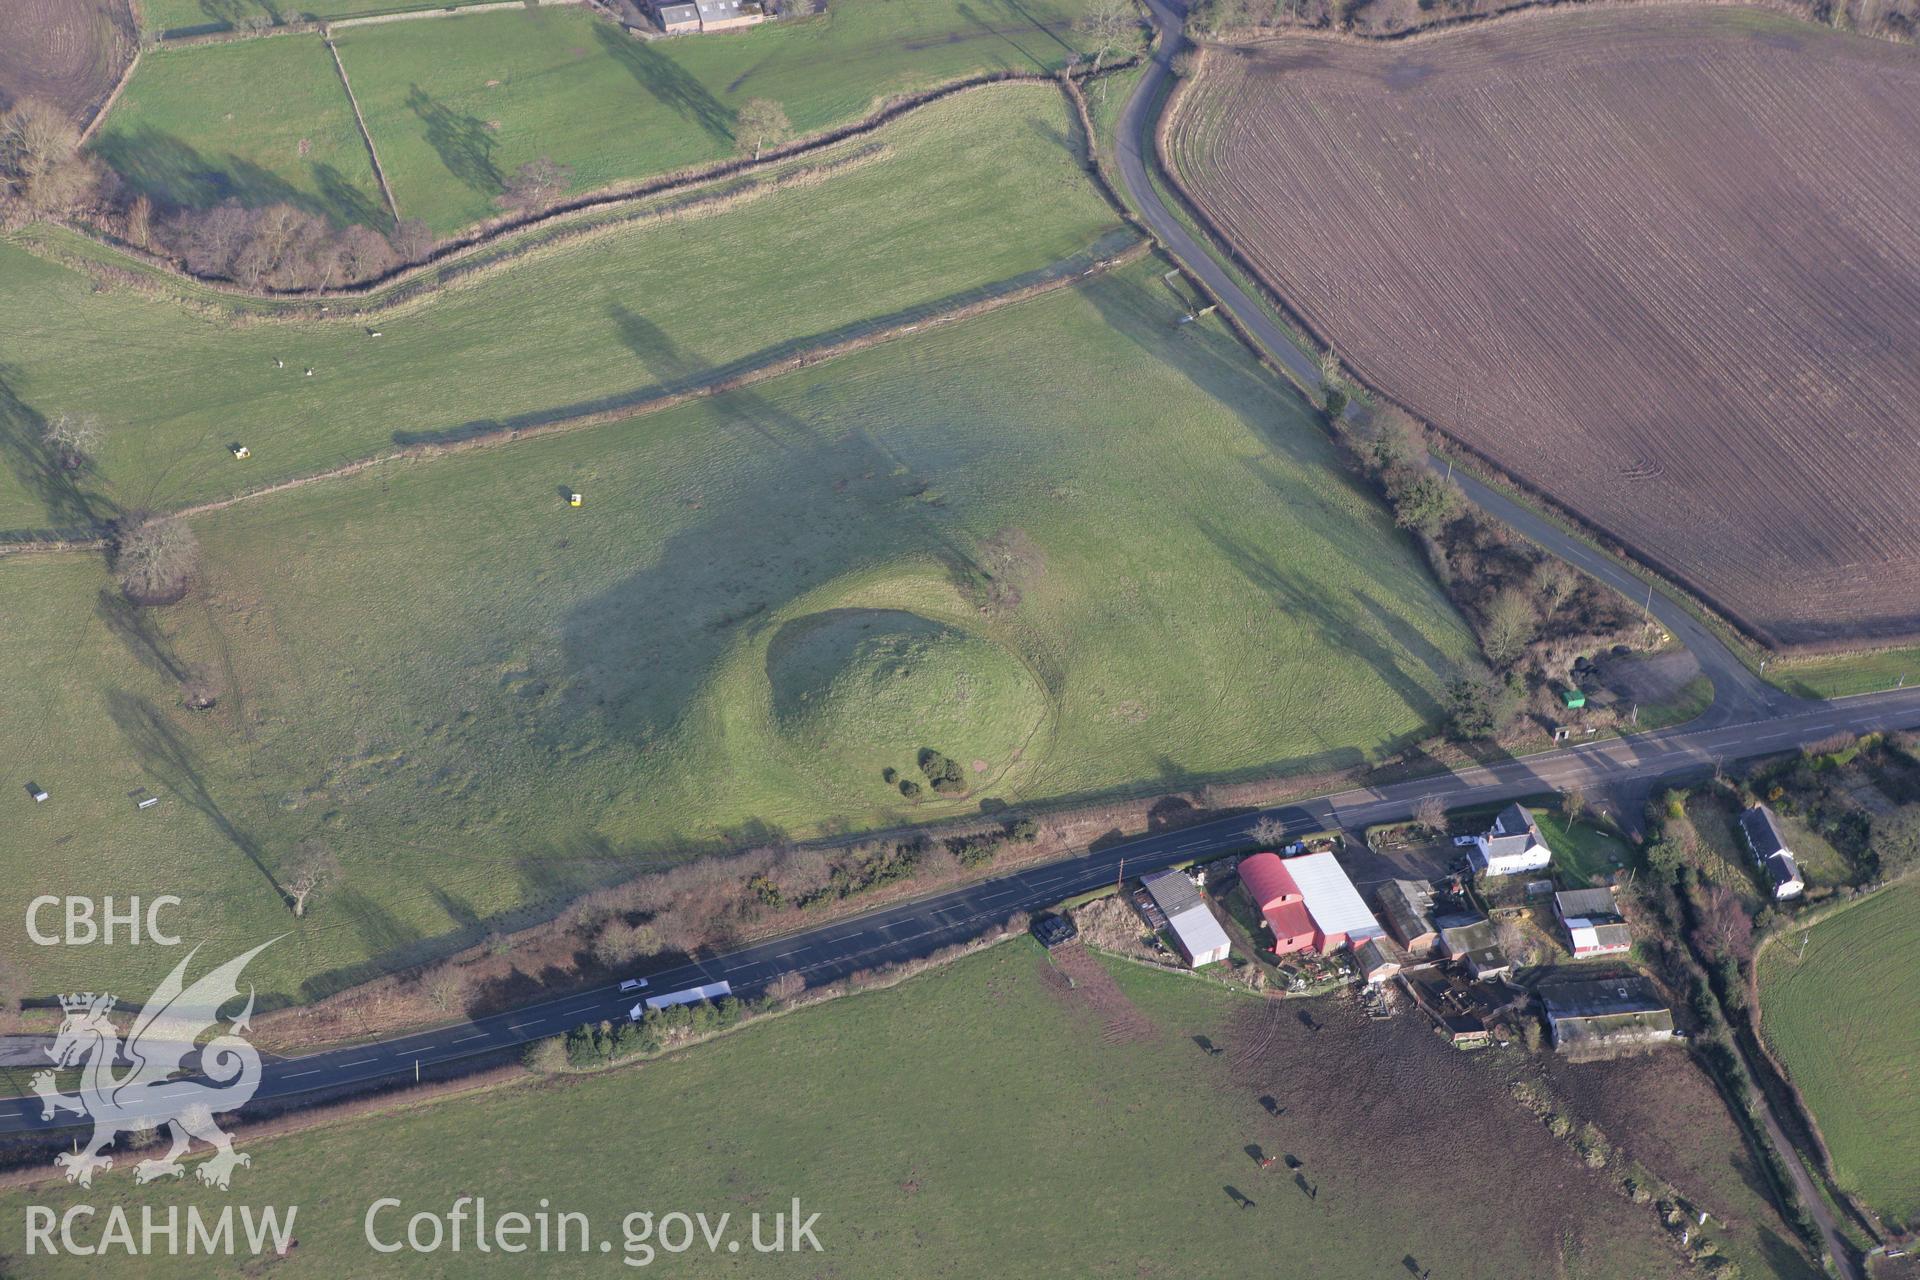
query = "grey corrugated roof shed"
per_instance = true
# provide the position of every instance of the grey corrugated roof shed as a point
(1171, 891)
(1405, 904)
(1588, 903)
(1600, 997)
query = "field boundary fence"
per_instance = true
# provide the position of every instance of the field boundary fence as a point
(1115, 249)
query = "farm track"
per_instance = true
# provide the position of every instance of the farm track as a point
(1694, 338)
(742, 373)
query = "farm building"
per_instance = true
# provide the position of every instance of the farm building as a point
(1277, 898)
(1377, 959)
(1309, 895)
(1592, 920)
(1470, 940)
(1406, 908)
(677, 19)
(1604, 1014)
(725, 15)
(1195, 932)
(1769, 845)
(1512, 845)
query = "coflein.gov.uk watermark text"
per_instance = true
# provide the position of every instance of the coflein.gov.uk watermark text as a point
(469, 1226)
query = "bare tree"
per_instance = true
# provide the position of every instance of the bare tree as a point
(1725, 928)
(446, 987)
(40, 160)
(1108, 25)
(1430, 815)
(1510, 624)
(620, 943)
(786, 988)
(365, 253)
(312, 868)
(412, 239)
(761, 123)
(154, 557)
(74, 438)
(1573, 804)
(536, 184)
(1553, 582)
(1268, 830)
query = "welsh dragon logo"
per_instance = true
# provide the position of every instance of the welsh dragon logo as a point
(146, 1094)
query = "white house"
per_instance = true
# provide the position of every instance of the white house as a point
(1769, 846)
(1512, 845)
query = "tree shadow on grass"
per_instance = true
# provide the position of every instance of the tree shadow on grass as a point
(73, 508)
(671, 84)
(137, 632)
(464, 143)
(174, 174)
(169, 759)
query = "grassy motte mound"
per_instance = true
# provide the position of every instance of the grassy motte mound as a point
(864, 691)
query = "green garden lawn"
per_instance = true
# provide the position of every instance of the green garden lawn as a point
(456, 105)
(1583, 854)
(976, 1121)
(567, 328)
(486, 700)
(261, 122)
(1845, 1019)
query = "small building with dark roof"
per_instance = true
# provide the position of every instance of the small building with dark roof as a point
(1377, 959)
(1592, 920)
(1470, 940)
(1406, 908)
(1604, 1015)
(1761, 826)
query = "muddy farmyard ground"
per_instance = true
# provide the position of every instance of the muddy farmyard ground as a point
(1385, 1108)
(1662, 264)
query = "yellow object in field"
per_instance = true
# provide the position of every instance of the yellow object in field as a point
(241, 451)
(574, 500)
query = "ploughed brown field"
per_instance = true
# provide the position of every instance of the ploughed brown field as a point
(1663, 265)
(67, 52)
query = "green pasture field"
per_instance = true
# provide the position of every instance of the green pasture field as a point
(186, 16)
(563, 329)
(486, 700)
(973, 1121)
(261, 122)
(456, 105)
(1583, 855)
(1845, 1019)
(1847, 673)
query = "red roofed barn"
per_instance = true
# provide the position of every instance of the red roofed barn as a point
(1278, 899)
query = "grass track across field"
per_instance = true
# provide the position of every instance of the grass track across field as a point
(1845, 1019)
(193, 16)
(487, 701)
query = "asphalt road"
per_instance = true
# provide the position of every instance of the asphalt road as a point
(1748, 718)
(912, 929)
